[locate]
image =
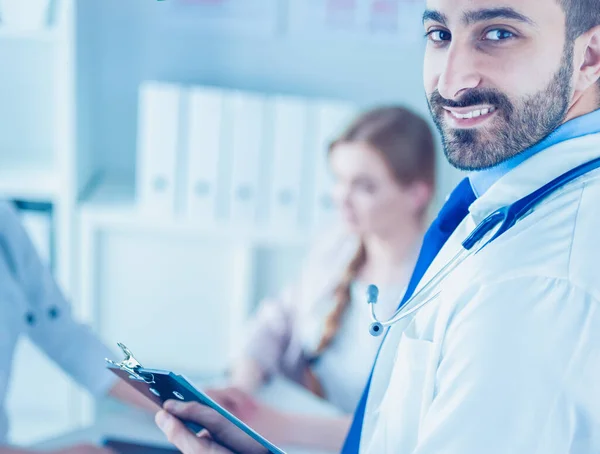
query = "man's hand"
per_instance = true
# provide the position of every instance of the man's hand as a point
(185, 440)
(84, 449)
(219, 431)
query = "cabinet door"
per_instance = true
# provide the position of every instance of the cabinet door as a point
(171, 297)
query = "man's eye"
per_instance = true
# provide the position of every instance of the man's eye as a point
(438, 36)
(498, 35)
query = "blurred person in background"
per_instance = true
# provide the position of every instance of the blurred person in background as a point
(316, 332)
(32, 304)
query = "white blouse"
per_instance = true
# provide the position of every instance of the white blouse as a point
(344, 367)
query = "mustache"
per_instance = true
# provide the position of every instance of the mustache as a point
(473, 97)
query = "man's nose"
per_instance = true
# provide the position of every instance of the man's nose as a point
(459, 73)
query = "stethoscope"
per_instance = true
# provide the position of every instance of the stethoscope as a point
(486, 231)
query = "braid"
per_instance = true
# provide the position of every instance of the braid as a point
(342, 299)
(334, 320)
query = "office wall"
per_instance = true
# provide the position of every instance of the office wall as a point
(137, 40)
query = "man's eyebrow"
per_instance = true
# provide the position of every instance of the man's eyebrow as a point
(481, 15)
(435, 16)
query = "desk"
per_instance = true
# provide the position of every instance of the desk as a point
(118, 421)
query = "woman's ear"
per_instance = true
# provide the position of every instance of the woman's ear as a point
(421, 195)
(588, 72)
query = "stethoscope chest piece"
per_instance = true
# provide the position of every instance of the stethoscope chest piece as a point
(376, 329)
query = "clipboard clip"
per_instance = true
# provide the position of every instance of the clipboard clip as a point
(131, 365)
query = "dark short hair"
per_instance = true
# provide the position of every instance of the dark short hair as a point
(582, 15)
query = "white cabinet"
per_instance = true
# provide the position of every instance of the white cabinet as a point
(178, 294)
(168, 297)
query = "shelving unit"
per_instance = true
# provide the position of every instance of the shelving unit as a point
(41, 185)
(36, 164)
(70, 100)
(111, 203)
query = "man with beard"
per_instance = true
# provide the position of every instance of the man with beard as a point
(506, 357)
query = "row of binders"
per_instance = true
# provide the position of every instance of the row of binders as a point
(226, 156)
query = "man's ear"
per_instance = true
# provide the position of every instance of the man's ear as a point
(588, 72)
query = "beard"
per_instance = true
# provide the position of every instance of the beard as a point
(518, 125)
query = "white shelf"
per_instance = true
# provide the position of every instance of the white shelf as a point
(109, 194)
(48, 35)
(43, 185)
(111, 204)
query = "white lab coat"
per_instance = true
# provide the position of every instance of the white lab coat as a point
(507, 359)
(31, 304)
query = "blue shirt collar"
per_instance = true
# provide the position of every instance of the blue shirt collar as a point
(482, 180)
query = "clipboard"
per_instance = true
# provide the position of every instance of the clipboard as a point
(162, 385)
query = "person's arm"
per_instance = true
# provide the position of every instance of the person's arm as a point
(272, 330)
(508, 355)
(284, 428)
(52, 327)
(247, 375)
(269, 336)
(314, 432)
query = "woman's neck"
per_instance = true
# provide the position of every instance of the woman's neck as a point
(390, 258)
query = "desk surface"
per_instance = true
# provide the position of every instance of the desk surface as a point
(117, 421)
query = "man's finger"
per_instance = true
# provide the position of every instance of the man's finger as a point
(185, 440)
(221, 430)
(193, 411)
(204, 434)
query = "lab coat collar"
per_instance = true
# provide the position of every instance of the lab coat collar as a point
(583, 125)
(535, 172)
